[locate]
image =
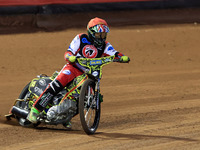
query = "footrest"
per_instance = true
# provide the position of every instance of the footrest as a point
(9, 116)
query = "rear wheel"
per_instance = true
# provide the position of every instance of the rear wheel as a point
(89, 114)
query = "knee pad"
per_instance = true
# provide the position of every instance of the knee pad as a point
(54, 87)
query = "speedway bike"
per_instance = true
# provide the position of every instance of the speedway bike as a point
(81, 97)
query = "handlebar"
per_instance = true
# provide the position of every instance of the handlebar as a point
(91, 65)
(118, 60)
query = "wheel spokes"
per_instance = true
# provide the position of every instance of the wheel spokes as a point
(89, 109)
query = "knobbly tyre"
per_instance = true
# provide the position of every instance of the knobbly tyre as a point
(82, 97)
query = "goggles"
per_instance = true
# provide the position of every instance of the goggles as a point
(99, 35)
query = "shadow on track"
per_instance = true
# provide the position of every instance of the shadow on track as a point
(52, 128)
(44, 128)
(9, 122)
(122, 136)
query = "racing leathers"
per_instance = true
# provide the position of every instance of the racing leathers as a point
(81, 46)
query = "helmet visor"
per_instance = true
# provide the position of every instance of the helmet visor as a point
(100, 35)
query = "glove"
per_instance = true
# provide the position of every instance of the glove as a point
(72, 59)
(124, 59)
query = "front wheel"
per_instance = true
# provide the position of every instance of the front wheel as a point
(89, 114)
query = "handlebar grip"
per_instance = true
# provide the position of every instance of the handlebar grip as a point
(116, 60)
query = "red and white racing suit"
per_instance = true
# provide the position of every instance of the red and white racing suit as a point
(81, 46)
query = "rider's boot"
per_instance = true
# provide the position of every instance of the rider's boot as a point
(53, 89)
(33, 115)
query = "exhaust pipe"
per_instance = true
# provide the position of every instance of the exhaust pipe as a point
(19, 112)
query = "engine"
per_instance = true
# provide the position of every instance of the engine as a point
(62, 113)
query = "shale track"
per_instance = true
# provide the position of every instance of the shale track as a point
(152, 103)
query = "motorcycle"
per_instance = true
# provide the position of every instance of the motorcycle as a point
(81, 97)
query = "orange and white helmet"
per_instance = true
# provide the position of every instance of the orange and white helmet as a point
(97, 30)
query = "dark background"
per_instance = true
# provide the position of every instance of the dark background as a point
(54, 17)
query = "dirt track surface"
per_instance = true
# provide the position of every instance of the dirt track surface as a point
(152, 103)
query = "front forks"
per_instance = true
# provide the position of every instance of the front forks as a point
(97, 89)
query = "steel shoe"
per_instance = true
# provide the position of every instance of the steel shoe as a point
(68, 125)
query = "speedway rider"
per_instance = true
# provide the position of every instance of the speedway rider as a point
(91, 45)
